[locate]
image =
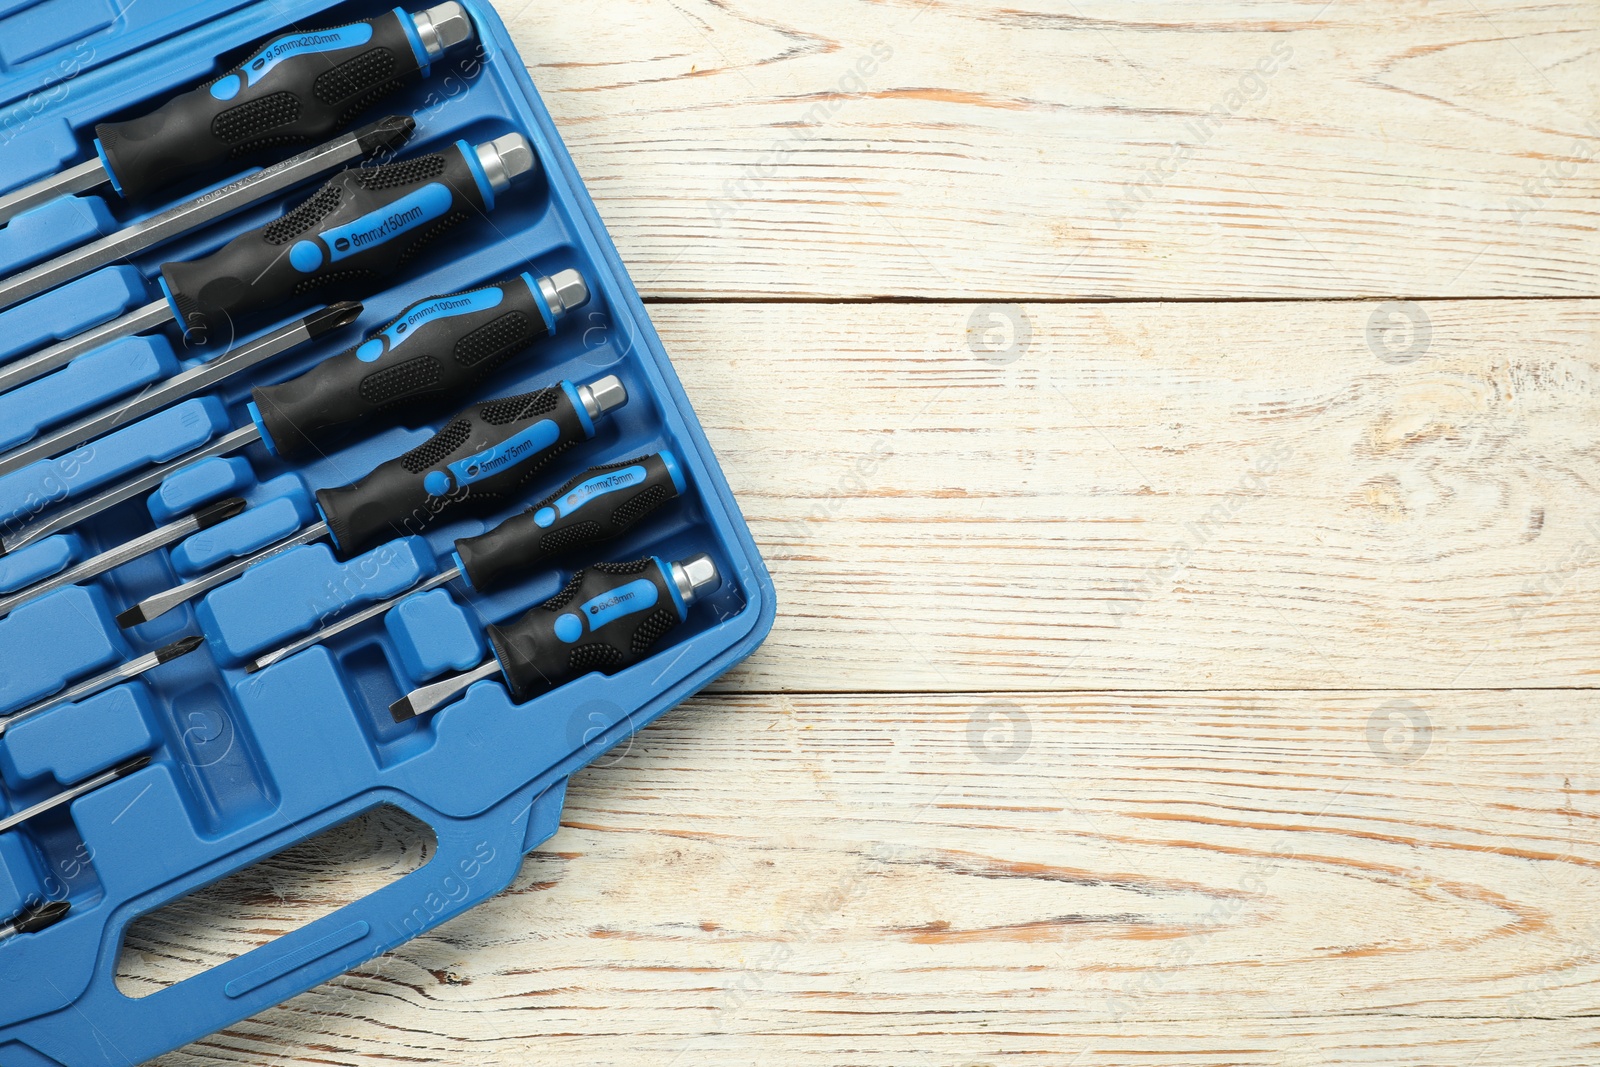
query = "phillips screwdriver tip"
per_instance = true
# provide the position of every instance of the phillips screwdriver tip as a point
(179, 648)
(333, 317)
(42, 917)
(133, 765)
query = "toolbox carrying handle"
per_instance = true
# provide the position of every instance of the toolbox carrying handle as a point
(476, 859)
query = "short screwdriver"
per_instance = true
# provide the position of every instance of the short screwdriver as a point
(295, 89)
(609, 617)
(434, 352)
(482, 459)
(598, 505)
(359, 229)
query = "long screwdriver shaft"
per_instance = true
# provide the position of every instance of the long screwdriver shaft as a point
(383, 135)
(160, 537)
(67, 796)
(79, 179)
(248, 355)
(349, 622)
(68, 517)
(127, 672)
(23, 371)
(165, 601)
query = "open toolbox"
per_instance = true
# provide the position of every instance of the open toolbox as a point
(194, 759)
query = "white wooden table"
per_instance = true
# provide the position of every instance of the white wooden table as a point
(1174, 429)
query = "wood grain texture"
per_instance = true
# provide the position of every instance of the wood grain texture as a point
(1190, 679)
(1087, 878)
(1093, 148)
(1183, 496)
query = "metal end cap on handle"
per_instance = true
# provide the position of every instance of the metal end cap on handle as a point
(696, 578)
(505, 158)
(443, 27)
(603, 395)
(564, 291)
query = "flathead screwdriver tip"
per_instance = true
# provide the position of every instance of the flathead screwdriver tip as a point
(41, 918)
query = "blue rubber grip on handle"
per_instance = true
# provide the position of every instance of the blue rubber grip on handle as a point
(359, 230)
(294, 90)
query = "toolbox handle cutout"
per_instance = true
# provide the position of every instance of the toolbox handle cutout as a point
(472, 861)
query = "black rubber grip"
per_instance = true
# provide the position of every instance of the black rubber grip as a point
(608, 617)
(295, 90)
(480, 461)
(599, 504)
(435, 351)
(360, 229)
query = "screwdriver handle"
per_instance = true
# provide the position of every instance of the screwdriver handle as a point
(599, 504)
(434, 350)
(296, 89)
(360, 228)
(608, 617)
(480, 460)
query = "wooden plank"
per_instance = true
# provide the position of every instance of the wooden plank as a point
(1162, 496)
(912, 148)
(1287, 878)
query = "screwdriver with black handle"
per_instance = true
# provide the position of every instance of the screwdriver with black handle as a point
(609, 617)
(482, 459)
(599, 505)
(357, 231)
(293, 90)
(435, 351)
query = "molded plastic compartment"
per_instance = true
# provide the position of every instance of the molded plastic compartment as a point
(243, 764)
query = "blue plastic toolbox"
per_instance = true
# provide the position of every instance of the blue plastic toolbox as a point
(209, 766)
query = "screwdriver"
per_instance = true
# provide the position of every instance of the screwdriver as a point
(598, 505)
(359, 229)
(482, 458)
(294, 89)
(32, 920)
(251, 354)
(434, 351)
(385, 135)
(608, 617)
(67, 796)
(127, 672)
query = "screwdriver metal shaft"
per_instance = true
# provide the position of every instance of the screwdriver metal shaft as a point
(67, 517)
(78, 179)
(381, 136)
(35, 919)
(127, 672)
(67, 796)
(126, 552)
(349, 622)
(246, 356)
